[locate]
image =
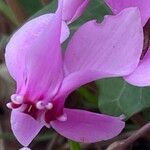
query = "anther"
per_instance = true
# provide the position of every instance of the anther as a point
(9, 105)
(62, 118)
(40, 105)
(49, 106)
(12, 105)
(17, 99)
(13, 97)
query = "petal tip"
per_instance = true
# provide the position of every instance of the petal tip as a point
(24, 127)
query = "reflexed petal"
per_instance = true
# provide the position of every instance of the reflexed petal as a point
(111, 49)
(24, 38)
(72, 9)
(33, 54)
(44, 62)
(143, 5)
(88, 127)
(24, 127)
(141, 75)
(75, 80)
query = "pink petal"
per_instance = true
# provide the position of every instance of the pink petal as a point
(24, 127)
(65, 32)
(143, 5)
(88, 127)
(33, 54)
(72, 9)
(44, 62)
(113, 48)
(75, 80)
(141, 75)
(24, 37)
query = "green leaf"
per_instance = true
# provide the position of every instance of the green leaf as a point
(31, 6)
(118, 97)
(90, 99)
(50, 8)
(74, 145)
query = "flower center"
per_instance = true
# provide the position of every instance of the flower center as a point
(50, 110)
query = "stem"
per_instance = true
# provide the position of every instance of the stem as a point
(5, 9)
(52, 142)
(124, 144)
(138, 120)
(6, 25)
(18, 11)
(141, 132)
(74, 145)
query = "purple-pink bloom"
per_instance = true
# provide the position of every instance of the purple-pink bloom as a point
(73, 9)
(143, 5)
(45, 78)
(141, 75)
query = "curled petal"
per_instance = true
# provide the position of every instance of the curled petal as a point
(113, 48)
(143, 5)
(44, 62)
(141, 75)
(24, 38)
(88, 127)
(24, 127)
(33, 55)
(75, 80)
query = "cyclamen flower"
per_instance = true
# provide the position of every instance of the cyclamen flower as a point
(141, 75)
(73, 9)
(45, 78)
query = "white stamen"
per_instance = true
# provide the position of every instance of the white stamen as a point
(122, 117)
(40, 105)
(49, 106)
(17, 99)
(13, 97)
(62, 118)
(9, 105)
